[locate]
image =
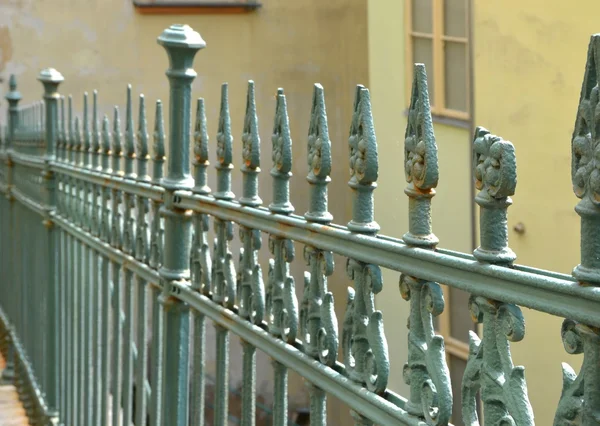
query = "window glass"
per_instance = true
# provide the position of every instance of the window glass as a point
(422, 16)
(423, 54)
(455, 59)
(455, 18)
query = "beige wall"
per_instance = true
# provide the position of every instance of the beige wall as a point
(104, 44)
(452, 204)
(530, 59)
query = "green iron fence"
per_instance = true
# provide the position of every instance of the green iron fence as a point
(120, 252)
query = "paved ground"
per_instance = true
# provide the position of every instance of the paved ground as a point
(11, 412)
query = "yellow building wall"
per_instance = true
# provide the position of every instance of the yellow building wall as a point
(452, 212)
(529, 64)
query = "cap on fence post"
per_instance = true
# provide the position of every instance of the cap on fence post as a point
(51, 78)
(181, 43)
(13, 97)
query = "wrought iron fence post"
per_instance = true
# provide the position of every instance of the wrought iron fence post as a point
(13, 97)
(51, 79)
(181, 43)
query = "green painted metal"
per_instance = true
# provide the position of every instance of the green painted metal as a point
(426, 371)
(110, 326)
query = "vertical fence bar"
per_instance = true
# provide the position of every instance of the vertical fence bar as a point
(141, 254)
(116, 242)
(158, 160)
(51, 79)
(201, 268)
(181, 44)
(318, 323)
(224, 233)
(13, 97)
(104, 291)
(128, 248)
(282, 307)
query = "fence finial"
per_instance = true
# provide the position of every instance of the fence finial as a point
(585, 168)
(250, 152)
(364, 166)
(282, 158)
(319, 159)
(71, 133)
(142, 143)
(62, 134)
(51, 79)
(129, 149)
(420, 163)
(78, 145)
(224, 149)
(158, 155)
(96, 149)
(496, 178)
(87, 143)
(13, 97)
(106, 152)
(201, 150)
(117, 148)
(181, 43)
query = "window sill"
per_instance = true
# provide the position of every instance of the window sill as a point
(462, 123)
(167, 7)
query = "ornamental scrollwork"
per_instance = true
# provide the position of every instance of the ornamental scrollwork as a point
(490, 370)
(318, 323)
(281, 304)
(577, 404)
(251, 288)
(201, 263)
(426, 371)
(223, 278)
(363, 339)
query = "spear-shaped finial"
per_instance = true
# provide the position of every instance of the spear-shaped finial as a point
(71, 135)
(12, 83)
(142, 143)
(224, 149)
(129, 138)
(250, 152)
(420, 164)
(282, 158)
(87, 143)
(117, 148)
(62, 136)
(319, 159)
(96, 150)
(201, 150)
(78, 144)
(364, 166)
(106, 152)
(158, 156)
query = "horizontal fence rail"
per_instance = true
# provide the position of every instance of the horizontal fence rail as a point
(109, 325)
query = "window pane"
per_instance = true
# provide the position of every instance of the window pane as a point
(455, 18)
(456, 76)
(423, 54)
(422, 16)
(460, 317)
